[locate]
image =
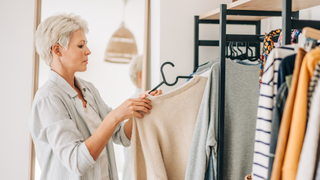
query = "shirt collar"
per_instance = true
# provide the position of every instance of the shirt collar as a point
(64, 85)
(81, 86)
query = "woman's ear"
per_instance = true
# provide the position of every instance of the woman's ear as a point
(56, 49)
(139, 75)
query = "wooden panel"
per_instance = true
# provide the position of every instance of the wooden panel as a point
(37, 20)
(262, 5)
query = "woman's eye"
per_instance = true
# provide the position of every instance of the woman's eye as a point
(80, 46)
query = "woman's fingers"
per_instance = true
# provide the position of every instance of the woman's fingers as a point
(143, 104)
(156, 92)
(137, 114)
(142, 100)
(141, 108)
(153, 92)
(142, 95)
(159, 92)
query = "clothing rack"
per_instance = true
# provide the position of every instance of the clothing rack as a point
(245, 12)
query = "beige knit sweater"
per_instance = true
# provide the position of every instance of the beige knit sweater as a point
(161, 141)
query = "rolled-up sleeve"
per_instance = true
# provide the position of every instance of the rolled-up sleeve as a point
(118, 137)
(51, 123)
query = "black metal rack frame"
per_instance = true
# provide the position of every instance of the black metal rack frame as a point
(289, 21)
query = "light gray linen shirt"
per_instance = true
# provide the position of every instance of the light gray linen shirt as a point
(58, 128)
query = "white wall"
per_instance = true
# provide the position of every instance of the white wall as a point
(104, 18)
(276, 22)
(172, 36)
(16, 49)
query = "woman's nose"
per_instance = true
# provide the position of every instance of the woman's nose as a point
(88, 52)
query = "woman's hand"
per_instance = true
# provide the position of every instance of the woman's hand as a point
(132, 107)
(157, 92)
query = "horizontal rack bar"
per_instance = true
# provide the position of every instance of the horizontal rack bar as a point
(216, 43)
(300, 24)
(253, 13)
(245, 38)
(228, 22)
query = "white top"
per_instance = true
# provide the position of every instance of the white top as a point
(308, 156)
(93, 122)
(267, 97)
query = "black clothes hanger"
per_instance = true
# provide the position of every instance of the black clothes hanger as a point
(236, 52)
(242, 56)
(164, 79)
(251, 57)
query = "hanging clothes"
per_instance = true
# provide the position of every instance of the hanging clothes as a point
(202, 140)
(203, 69)
(285, 69)
(308, 157)
(278, 108)
(299, 117)
(268, 92)
(210, 170)
(268, 46)
(317, 173)
(312, 86)
(242, 89)
(286, 119)
(160, 142)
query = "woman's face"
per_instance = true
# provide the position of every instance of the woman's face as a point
(75, 58)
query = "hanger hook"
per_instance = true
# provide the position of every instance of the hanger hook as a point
(162, 73)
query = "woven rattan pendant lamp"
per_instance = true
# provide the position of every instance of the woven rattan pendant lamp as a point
(122, 45)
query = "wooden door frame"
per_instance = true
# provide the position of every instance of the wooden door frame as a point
(146, 46)
(35, 82)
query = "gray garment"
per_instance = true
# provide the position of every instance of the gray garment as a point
(58, 128)
(127, 150)
(241, 103)
(317, 172)
(210, 169)
(206, 67)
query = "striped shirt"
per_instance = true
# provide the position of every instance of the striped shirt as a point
(268, 92)
(312, 86)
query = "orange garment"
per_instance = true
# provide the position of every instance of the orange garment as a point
(286, 119)
(299, 117)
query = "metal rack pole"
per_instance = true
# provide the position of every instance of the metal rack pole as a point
(196, 43)
(222, 79)
(286, 21)
(258, 32)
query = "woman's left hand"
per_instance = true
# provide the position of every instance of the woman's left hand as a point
(157, 92)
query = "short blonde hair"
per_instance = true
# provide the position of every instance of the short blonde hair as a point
(135, 67)
(57, 29)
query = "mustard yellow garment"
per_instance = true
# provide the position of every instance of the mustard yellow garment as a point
(286, 119)
(299, 117)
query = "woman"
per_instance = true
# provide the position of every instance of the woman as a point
(72, 128)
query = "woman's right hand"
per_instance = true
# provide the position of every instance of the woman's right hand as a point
(132, 107)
